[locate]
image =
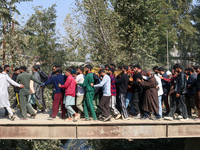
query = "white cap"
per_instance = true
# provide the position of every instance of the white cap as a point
(168, 73)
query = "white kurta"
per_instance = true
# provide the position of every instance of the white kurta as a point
(4, 95)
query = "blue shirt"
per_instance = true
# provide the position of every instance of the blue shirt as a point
(56, 80)
(106, 85)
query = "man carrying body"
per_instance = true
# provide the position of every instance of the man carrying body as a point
(24, 78)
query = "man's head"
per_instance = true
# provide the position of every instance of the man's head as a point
(101, 67)
(68, 72)
(80, 70)
(125, 68)
(17, 71)
(190, 71)
(112, 66)
(88, 68)
(150, 73)
(107, 67)
(198, 69)
(119, 68)
(6, 68)
(111, 71)
(161, 70)
(23, 69)
(58, 71)
(136, 68)
(194, 68)
(130, 68)
(72, 67)
(155, 69)
(169, 74)
(35, 68)
(54, 69)
(1, 69)
(177, 68)
(102, 72)
(73, 72)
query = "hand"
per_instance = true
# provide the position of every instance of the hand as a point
(161, 77)
(92, 84)
(138, 80)
(59, 85)
(175, 74)
(157, 87)
(177, 95)
(21, 86)
(116, 75)
(188, 85)
(77, 83)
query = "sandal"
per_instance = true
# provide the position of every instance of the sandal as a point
(84, 119)
(33, 116)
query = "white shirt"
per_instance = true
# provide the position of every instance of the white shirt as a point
(159, 83)
(80, 79)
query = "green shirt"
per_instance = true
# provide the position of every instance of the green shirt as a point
(24, 78)
(89, 78)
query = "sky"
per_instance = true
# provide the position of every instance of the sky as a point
(63, 8)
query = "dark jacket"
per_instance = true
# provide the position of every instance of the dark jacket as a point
(181, 84)
(191, 81)
(123, 83)
(198, 83)
(136, 86)
(14, 77)
(166, 85)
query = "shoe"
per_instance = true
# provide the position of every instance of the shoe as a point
(51, 118)
(184, 119)
(118, 116)
(137, 117)
(125, 119)
(12, 118)
(106, 119)
(33, 116)
(168, 118)
(43, 111)
(180, 117)
(144, 118)
(77, 117)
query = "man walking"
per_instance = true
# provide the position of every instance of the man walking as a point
(180, 90)
(24, 78)
(105, 100)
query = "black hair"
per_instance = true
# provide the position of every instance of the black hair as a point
(137, 66)
(113, 65)
(112, 70)
(161, 69)
(23, 68)
(155, 68)
(16, 69)
(107, 66)
(59, 70)
(6, 66)
(101, 71)
(89, 67)
(126, 68)
(120, 67)
(36, 67)
(177, 66)
(1, 69)
(69, 70)
(72, 67)
(190, 69)
(81, 68)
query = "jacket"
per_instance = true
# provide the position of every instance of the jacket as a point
(70, 86)
(198, 83)
(181, 84)
(191, 81)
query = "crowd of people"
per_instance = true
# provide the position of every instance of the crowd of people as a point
(92, 94)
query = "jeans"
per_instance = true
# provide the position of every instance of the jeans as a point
(129, 98)
(160, 105)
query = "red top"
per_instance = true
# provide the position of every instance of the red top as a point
(70, 86)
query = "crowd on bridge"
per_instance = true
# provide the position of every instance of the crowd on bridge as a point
(99, 94)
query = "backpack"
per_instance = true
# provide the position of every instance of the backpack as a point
(43, 76)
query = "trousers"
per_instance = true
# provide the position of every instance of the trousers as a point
(58, 100)
(181, 102)
(122, 102)
(112, 105)
(79, 103)
(197, 101)
(88, 105)
(136, 100)
(189, 100)
(104, 106)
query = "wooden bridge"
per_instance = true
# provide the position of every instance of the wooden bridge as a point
(41, 128)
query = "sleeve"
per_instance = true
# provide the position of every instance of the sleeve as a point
(180, 89)
(120, 80)
(101, 83)
(48, 82)
(78, 78)
(65, 86)
(146, 85)
(18, 79)
(35, 80)
(9, 80)
(159, 83)
(85, 83)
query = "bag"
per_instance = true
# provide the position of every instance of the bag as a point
(43, 76)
